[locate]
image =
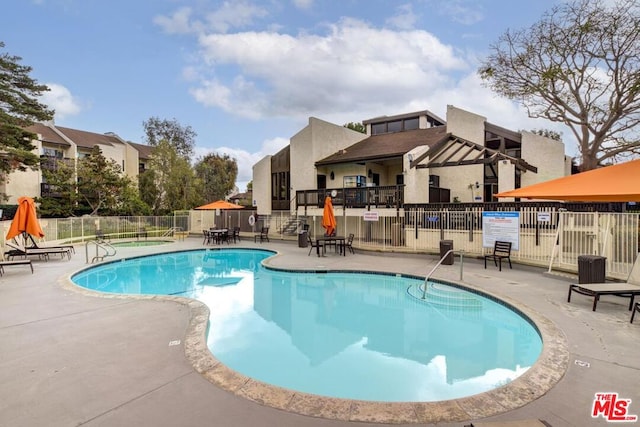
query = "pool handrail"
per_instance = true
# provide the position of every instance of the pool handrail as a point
(426, 279)
(107, 247)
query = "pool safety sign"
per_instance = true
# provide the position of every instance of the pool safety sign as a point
(370, 216)
(502, 226)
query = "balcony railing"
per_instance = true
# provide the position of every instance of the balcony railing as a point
(51, 162)
(385, 196)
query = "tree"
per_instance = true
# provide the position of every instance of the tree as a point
(100, 181)
(358, 127)
(169, 184)
(180, 137)
(578, 65)
(218, 174)
(548, 133)
(62, 183)
(19, 109)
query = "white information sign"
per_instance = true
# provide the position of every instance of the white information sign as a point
(370, 216)
(544, 216)
(502, 226)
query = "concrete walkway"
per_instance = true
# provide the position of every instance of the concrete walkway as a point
(68, 358)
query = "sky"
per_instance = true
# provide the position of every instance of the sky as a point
(246, 75)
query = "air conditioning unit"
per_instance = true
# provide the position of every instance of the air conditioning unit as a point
(434, 181)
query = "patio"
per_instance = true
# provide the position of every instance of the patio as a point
(71, 358)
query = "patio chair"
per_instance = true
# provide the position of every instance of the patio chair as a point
(628, 289)
(633, 313)
(317, 244)
(236, 234)
(263, 235)
(100, 236)
(501, 250)
(349, 243)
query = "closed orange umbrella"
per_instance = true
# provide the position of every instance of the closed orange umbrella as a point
(328, 218)
(220, 204)
(25, 220)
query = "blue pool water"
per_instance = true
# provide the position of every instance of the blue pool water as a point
(358, 336)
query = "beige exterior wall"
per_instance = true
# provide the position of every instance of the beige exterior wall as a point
(507, 181)
(465, 125)
(262, 186)
(131, 162)
(544, 153)
(320, 139)
(416, 181)
(458, 179)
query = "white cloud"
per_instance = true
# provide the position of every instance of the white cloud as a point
(353, 66)
(303, 4)
(231, 14)
(463, 12)
(60, 99)
(404, 19)
(178, 23)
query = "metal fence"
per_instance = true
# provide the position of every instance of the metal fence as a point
(84, 228)
(555, 242)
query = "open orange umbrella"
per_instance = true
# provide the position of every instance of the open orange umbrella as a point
(220, 204)
(25, 220)
(617, 183)
(328, 218)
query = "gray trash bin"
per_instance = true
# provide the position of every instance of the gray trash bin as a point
(591, 269)
(303, 242)
(446, 245)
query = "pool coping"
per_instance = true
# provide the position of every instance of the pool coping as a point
(550, 367)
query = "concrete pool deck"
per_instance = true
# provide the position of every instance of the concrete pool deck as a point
(73, 358)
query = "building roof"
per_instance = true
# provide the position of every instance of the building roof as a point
(388, 145)
(88, 139)
(426, 113)
(48, 135)
(144, 151)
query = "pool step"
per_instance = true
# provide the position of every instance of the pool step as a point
(445, 295)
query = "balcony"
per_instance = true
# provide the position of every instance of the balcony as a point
(51, 162)
(386, 196)
(48, 190)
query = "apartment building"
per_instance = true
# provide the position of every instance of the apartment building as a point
(412, 158)
(56, 143)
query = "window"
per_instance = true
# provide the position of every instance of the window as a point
(410, 124)
(395, 126)
(378, 128)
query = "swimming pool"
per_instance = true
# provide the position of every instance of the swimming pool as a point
(139, 243)
(357, 336)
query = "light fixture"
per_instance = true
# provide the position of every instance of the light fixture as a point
(477, 184)
(370, 173)
(332, 176)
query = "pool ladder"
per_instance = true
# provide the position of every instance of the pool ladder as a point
(426, 279)
(107, 248)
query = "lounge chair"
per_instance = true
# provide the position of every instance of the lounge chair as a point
(15, 262)
(18, 250)
(628, 289)
(35, 245)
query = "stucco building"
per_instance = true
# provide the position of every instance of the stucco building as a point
(57, 143)
(413, 158)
